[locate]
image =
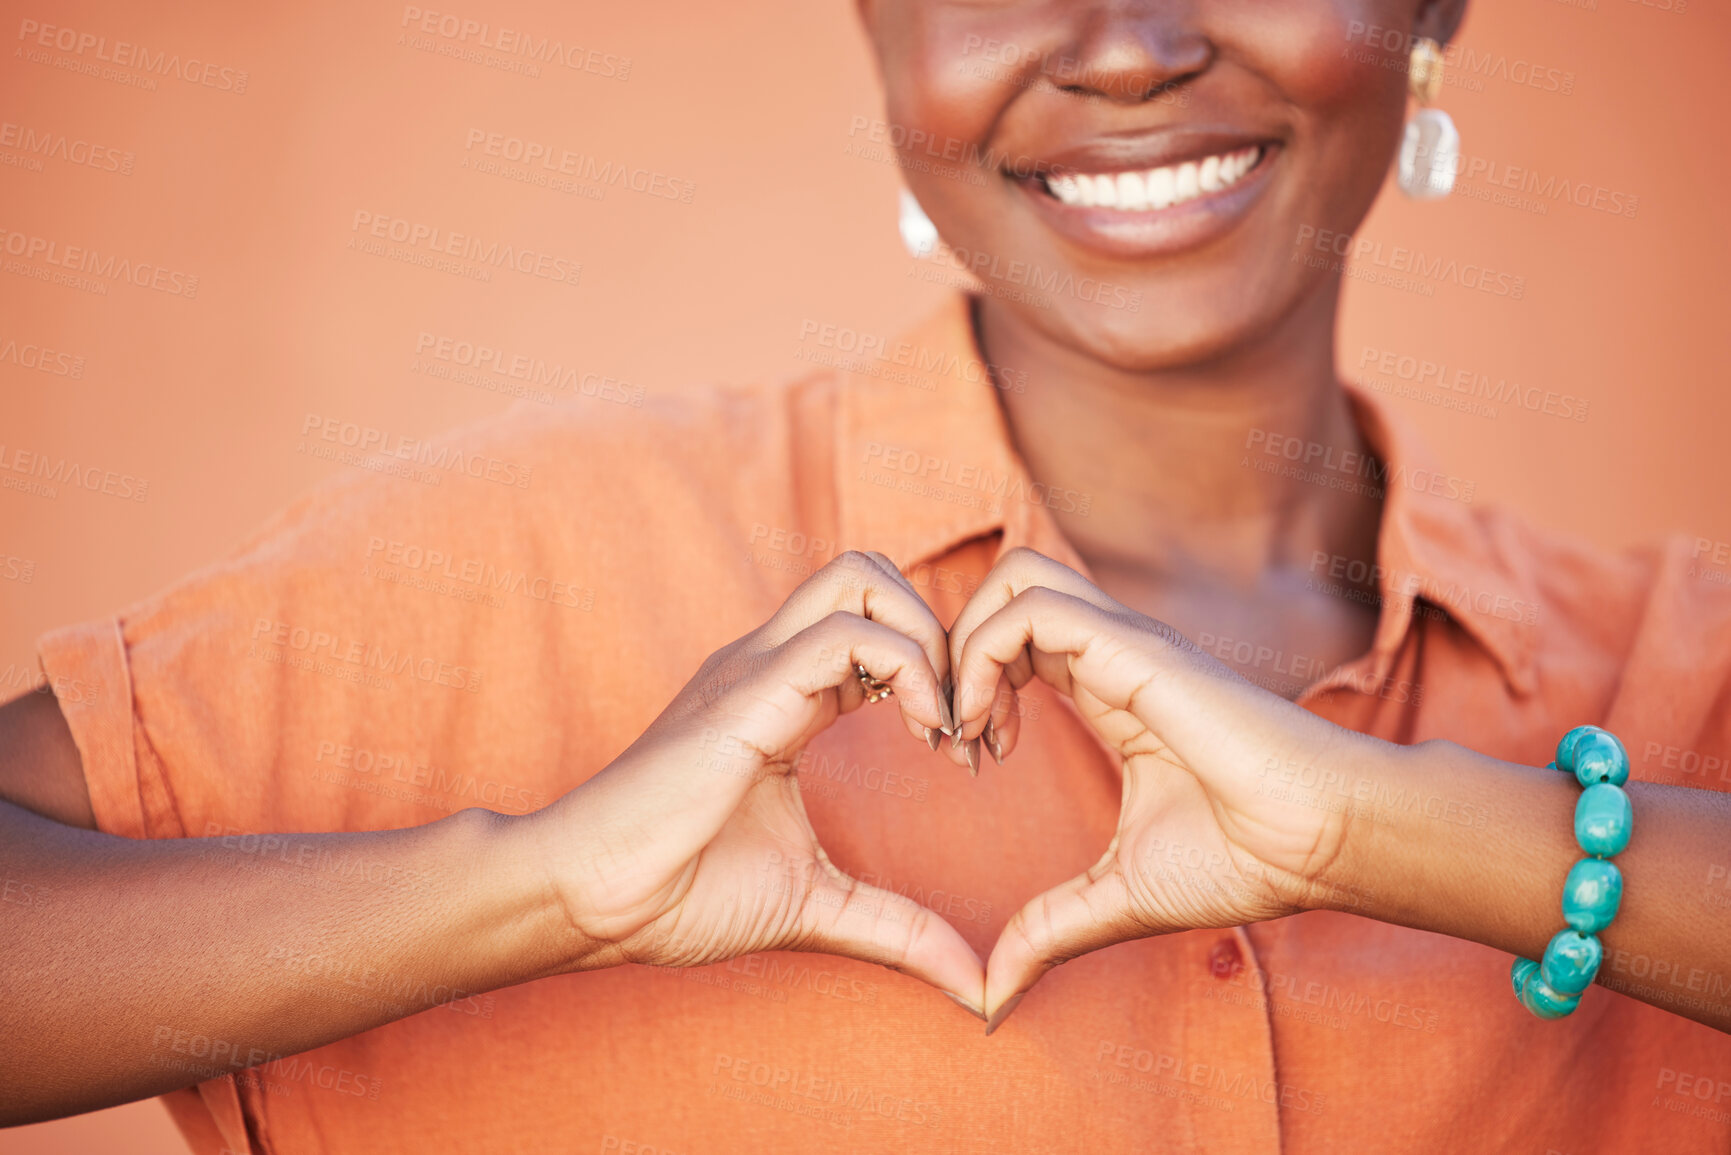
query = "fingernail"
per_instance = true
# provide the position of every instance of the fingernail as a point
(991, 739)
(998, 747)
(965, 1005)
(932, 738)
(997, 1020)
(946, 713)
(971, 749)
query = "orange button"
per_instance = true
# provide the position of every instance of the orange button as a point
(1225, 960)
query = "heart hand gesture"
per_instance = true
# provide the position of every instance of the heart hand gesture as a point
(1196, 741)
(693, 846)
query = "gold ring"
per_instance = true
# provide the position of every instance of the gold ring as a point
(875, 691)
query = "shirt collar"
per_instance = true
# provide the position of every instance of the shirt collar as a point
(1434, 545)
(925, 462)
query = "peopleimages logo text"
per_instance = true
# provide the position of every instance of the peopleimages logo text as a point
(106, 267)
(516, 42)
(137, 57)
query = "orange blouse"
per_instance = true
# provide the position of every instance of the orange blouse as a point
(489, 619)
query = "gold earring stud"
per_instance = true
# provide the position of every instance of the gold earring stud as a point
(1424, 72)
(1430, 148)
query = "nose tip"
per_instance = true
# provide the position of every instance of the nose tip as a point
(1134, 55)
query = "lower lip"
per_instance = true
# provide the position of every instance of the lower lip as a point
(1155, 232)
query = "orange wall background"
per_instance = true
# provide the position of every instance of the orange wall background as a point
(247, 172)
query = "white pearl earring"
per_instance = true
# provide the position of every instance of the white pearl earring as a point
(919, 234)
(1430, 148)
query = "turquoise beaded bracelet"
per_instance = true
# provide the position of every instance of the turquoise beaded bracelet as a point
(1552, 988)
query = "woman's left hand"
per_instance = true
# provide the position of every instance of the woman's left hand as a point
(1209, 834)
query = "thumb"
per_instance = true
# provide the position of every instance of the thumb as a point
(843, 916)
(1084, 914)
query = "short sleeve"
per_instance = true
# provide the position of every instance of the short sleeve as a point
(479, 620)
(86, 667)
(1673, 697)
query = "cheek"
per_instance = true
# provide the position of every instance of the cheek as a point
(939, 88)
(1328, 57)
(952, 70)
(1348, 90)
(942, 106)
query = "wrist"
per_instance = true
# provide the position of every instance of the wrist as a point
(1383, 804)
(517, 910)
(1457, 843)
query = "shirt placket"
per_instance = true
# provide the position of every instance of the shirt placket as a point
(1220, 1068)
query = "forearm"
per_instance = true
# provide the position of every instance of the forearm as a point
(116, 952)
(1461, 844)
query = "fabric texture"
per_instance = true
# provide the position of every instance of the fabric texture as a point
(393, 648)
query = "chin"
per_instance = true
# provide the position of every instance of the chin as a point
(1165, 329)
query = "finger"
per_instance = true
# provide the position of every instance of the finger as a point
(850, 694)
(1040, 627)
(846, 917)
(1018, 570)
(747, 709)
(1004, 724)
(825, 655)
(1004, 730)
(894, 571)
(940, 660)
(1073, 918)
(953, 749)
(773, 708)
(941, 664)
(873, 588)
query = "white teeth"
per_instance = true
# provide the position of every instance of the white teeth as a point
(1188, 186)
(1209, 177)
(1156, 188)
(1106, 191)
(1161, 188)
(1132, 193)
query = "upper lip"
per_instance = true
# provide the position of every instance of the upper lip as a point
(1148, 150)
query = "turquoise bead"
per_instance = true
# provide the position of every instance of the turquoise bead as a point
(1519, 972)
(1566, 748)
(1600, 757)
(1591, 895)
(1603, 819)
(1543, 1000)
(1571, 961)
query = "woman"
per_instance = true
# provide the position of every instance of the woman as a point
(1312, 904)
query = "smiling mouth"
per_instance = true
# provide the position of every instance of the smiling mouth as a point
(1153, 189)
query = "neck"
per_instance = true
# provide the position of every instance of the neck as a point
(1167, 456)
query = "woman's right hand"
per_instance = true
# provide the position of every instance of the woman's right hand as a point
(693, 846)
